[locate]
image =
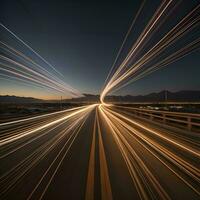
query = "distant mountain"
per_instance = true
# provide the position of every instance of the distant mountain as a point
(18, 100)
(191, 96)
(183, 96)
(86, 98)
(159, 97)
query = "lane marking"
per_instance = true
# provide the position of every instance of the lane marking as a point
(89, 194)
(106, 192)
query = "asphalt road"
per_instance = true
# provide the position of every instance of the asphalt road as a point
(97, 152)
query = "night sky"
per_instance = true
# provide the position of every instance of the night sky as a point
(81, 39)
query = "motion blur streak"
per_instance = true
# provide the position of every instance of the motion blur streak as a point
(19, 135)
(18, 66)
(124, 133)
(103, 151)
(29, 47)
(132, 69)
(43, 143)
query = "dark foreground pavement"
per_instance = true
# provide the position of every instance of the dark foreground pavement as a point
(96, 154)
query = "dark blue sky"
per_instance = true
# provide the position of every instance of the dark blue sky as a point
(81, 39)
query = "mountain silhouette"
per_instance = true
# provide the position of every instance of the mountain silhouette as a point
(184, 95)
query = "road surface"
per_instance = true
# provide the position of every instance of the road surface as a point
(96, 152)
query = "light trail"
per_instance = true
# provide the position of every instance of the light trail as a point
(41, 153)
(36, 137)
(32, 75)
(22, 67)
(23, 134)
(133, 169)
(17, 70)
(64, 157)
(71, 119)
(106, 191)
(29, 78)
(120, 127)
(192, 151)
(30, 48)
(22, 81)
(20, 55)
(135, 140)
(147, 30)
(89, 193)
(126, 73)
(60, 162)
(40, 116)
(124, 41)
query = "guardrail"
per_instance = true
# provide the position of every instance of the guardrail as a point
(187, 120)
(157, 103)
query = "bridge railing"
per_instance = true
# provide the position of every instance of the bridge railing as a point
(185, 120)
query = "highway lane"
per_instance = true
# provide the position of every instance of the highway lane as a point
(97, 152)
(168, 165)
(37, 150)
